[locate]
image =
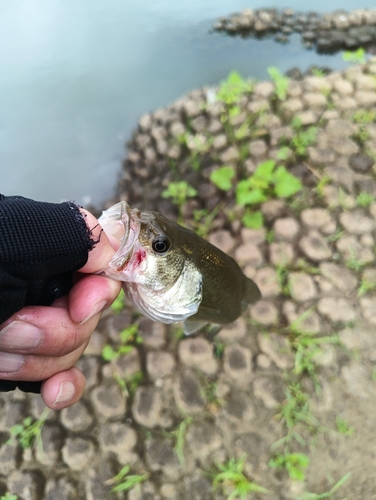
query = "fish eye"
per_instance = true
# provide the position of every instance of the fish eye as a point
(161, 244)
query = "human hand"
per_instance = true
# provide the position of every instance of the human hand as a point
(44, 342)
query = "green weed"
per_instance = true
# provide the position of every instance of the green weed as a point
(327, 495)
(129, 338)
(270, 236)
(179, 192)
(364, 199)
(302, 139)
(124, 481)
(295, 412)
(180, 434)
(283, 153)
(303, 265)
(267, 181)
(231, 478)
(282, 279)
(364, 116)
(233, 88)
(118, 304)
(354, 263)
(8, 496)
(29, 432)
(318, 72)
(294, 463)
(332, 238)
(320, 188)
(281, 82)
(366, 286)
(129, 384)
(203, 219)
(197, 145)
(355, 56)
(308, 348)
(343, 427)
(219, 348)
(253, 220)
(222, 178)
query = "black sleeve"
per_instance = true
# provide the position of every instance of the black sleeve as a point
(41, 245)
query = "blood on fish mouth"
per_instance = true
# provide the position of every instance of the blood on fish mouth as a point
(139, 257)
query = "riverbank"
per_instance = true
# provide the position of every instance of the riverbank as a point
(290, 385)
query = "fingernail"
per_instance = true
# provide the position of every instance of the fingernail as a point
(98, 307)
(66, 392)
(20, 335)
(10, 362)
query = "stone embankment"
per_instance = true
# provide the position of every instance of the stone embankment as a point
(199, 403)
(327, 33)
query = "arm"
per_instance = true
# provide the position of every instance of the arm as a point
(41, 244)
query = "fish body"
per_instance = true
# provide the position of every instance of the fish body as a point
(171, 274)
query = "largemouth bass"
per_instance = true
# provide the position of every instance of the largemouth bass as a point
(171, 274)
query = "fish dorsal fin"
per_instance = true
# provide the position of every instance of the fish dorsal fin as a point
(251, 292)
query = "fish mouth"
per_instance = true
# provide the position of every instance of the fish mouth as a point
(123, 223)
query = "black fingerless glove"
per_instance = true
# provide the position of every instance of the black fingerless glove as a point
(41, 245)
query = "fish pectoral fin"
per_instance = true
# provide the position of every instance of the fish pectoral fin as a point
(191, 326)
(251, 292)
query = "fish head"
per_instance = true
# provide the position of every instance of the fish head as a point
(156, 274)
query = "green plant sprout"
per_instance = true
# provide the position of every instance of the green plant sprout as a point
(208, 389)
(179, 192)
(233, 88)
(8, 496)
(253, 220)
(295, 411)
(130, 383)
(180, 434)
(129, 337)
(365, 287)
(355, 56)
(294, 463)
(329, 495)
(232, 478)
(198, 145)
(283, 153)
(302, 139)
(364, 116)
(307, 348)
(124, 481)
(203, 219)
(281, 82)
(318, 72)
(343, 427)
(118, 304)
(244, 131)
(268, 181)
(222, 177)
(364, 199)
(282, 273)
(354, 263)
(29, 432)
(320, 187)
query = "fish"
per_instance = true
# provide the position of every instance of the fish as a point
(171, 274)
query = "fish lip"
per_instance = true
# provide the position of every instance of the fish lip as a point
(131, 222)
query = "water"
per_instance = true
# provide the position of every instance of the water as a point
(76, 76)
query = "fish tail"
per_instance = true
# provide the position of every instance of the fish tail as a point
(251, 292)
